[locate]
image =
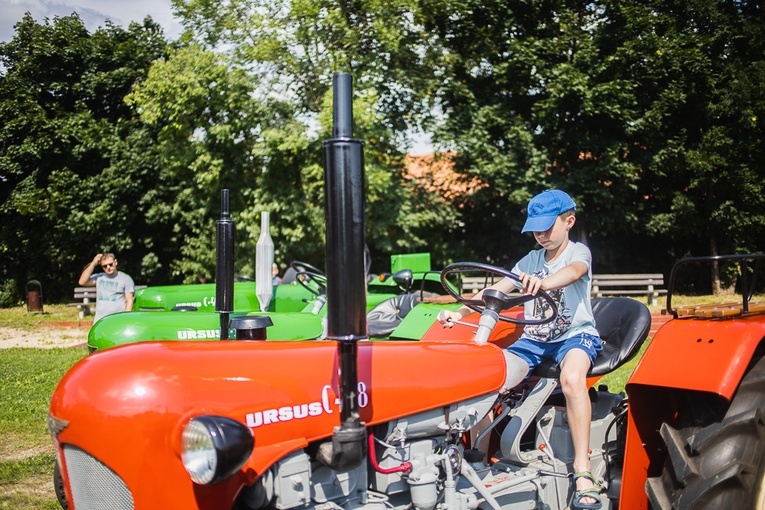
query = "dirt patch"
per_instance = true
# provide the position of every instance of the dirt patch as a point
(43, 337)
(6, 456)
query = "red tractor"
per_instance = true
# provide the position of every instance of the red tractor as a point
(347, 423)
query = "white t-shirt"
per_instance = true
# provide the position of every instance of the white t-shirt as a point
(573, 301)
(110, 293)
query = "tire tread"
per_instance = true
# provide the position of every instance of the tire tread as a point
(718, 464)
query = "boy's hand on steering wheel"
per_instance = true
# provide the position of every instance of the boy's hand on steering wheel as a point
(531, 284)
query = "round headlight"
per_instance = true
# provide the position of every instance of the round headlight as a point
(198, 455)
(214, 448)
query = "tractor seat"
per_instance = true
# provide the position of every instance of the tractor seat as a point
(386, 316)
(623, 325)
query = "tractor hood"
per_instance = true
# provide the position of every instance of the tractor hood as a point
(126, 406)
(287, 298)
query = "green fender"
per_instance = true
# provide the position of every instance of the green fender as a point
(419, 320)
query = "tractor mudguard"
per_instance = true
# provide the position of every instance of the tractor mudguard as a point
(700, 355)
(125, 407)
(131, 327)
(706, 356)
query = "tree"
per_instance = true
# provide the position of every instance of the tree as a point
(699, 137)
(648, 113)
(290, 49)
(77, 168)
(213, 133)
(530, 100)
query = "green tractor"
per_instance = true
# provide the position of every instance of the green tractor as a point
(297, 310)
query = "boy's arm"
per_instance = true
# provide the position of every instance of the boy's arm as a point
(561, 278)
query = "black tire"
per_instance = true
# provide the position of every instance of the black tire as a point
(58, 486)
(719, 464)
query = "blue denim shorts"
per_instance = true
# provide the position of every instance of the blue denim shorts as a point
(534, 352)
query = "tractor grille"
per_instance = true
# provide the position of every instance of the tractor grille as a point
(94, 486)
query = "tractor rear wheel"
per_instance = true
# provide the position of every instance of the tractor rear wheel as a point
(718, 465)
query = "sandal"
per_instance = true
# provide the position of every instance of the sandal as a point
(592, 492)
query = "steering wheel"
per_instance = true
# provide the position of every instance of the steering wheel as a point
(494, 299)
(315, 283)
(306, 267)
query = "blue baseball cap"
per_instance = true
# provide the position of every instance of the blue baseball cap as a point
(544, 208)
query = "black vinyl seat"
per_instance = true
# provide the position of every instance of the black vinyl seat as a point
(623, 324)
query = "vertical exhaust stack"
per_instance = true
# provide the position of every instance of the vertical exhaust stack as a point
(346, 292)
(224, 264)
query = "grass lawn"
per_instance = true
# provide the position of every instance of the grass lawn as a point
(18, 317)
(28, 378)
(617, 379)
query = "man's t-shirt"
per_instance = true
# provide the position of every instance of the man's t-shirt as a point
(573, 301)
(110, 293)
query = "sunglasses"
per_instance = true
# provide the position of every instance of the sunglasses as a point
(110, 264)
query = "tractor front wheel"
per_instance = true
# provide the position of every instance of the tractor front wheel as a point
(58, 487)
(719, 465)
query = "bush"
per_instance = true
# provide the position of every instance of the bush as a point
(9, 294)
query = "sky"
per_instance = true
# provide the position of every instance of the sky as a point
(92, 12)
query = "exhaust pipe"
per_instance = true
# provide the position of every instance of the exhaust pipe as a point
(224, 264)
(346, 292)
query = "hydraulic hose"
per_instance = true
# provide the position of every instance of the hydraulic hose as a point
(405, 467)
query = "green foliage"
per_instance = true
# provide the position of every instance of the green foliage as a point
(271, 93)
(698, 135)
(651, 114)
(212, 134)
(76, 165)
(633, 108)
(9, 293)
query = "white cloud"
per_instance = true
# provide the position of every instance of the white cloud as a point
(92, 12)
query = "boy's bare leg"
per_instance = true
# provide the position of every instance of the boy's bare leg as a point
(573, 380)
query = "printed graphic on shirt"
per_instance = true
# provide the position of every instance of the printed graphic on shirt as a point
(110, 290)
(551, 330)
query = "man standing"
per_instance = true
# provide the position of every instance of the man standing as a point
(114, 289)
